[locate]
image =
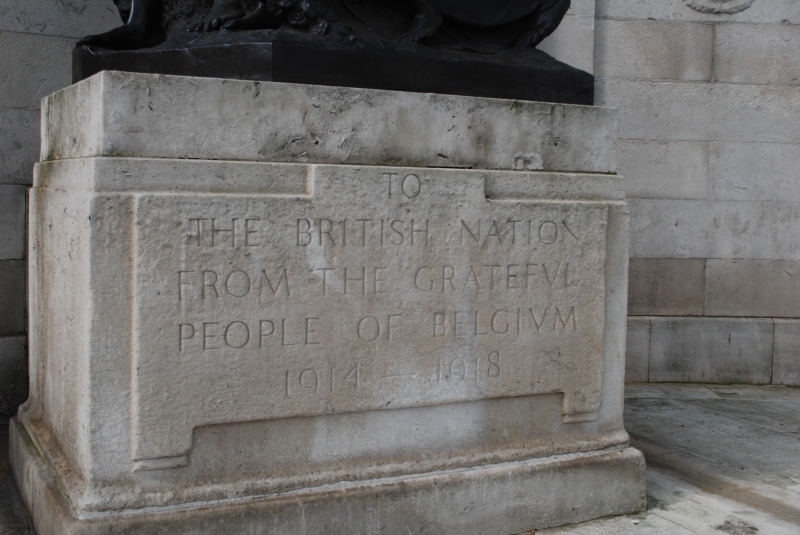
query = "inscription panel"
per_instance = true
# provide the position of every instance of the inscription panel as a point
(380, 289)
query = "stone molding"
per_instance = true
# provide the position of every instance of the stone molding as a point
(719, 7)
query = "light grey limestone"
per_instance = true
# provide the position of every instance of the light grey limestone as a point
(755, 171)
(757, 53)
(511, 498)
(78, 18)
(654, 50)
(33, 66)
(30, 16)
(721, 229)
(13, 373)
(12, 297)
(573, 41)
(711, 350)
(753, 288)
(664, 169)
(693, 111)
(19, 145)
(288, 251)
(373, 326)
(12, 222)
(786, 358)
(666, 287)
(761, 11)
(637, 354)
(295, 123)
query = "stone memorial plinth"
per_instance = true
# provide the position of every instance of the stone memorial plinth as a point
(275, 308)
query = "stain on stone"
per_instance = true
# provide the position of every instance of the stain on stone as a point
(737, 526)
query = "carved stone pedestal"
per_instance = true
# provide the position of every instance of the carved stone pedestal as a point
(272, 308)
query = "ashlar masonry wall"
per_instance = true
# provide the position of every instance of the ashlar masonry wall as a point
(36, 41)
(710, 146)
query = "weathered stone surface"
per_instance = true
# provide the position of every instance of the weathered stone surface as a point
(12, 222)
(786, 359)
(78, 18)
(295, 123)
(709, 350)
(692, 111)
(753, 288)
(358, 322)
(573, 41)
(637, 354)
(33, 66)
(664, 169)
(14, 373)
(509, 498)
(757, 53)
(19, 145)
(666, 287)
(771, 11)
(721, 229)
(31, 16)
(654, 49)
(755, 171)
(12, 297)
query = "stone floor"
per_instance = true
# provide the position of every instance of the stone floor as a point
(721, 460)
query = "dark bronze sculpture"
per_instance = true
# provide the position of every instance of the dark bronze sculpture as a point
(468, 47)
(481, 25)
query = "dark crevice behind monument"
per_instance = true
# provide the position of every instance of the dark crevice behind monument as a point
(464, 47)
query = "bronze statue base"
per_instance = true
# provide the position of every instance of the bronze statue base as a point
(516, 73)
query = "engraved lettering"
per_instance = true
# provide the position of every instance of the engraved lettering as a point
(448, 272)
(389, 325)
(324, 279)
(476, 238)
(303, 236)
(419, 231)
(231, 231)
(182, 283)
(411, 186)
(398, 232)
(514, 230)
(495, 330)
(323, 231)
(364, 230)
(494, 365)
(362, 280)
(249, 232)
(369, 329)
(244, 339)
(390, 177)
(475, 326)
(494, 231)
(240, 288)
(377, 280)
(207, 336)
(283, 281)
(209, 283)
(569, 230)
(548, 232)
(199, 234)
(181, 337)
(311, 329)
(438, 322)
(262, 334)
(416, 281)
(565, 322)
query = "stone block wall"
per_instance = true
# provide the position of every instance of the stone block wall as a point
(36, 41)
(710, 147)
(709, 143)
